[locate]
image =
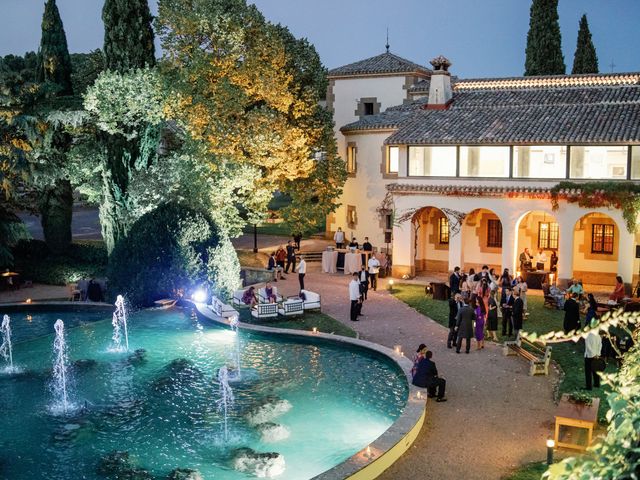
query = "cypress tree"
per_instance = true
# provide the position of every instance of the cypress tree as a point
(544, 50)
(128, 44)
(128, 35)
(585, 59)
(55, 201)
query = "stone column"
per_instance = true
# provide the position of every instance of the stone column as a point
(403, 249)
(509, 244)
(455, 248)
(626, 256)
(565, 251)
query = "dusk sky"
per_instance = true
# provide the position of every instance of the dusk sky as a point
(481, 37)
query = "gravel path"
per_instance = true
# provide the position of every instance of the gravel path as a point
(497, 416)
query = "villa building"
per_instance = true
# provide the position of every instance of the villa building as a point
(445, 171)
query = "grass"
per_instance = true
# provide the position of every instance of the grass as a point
(249, 259)
(324, 323)
(531, 471)
(569, 355)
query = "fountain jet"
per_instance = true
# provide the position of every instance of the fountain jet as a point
(60, 382)
(234, 321)
(119, 323)
(225, 402)
(6, 349)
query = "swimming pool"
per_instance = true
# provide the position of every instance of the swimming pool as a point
(313, 403)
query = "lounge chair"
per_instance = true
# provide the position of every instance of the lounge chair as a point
(311, 300)
(237, 298)
(265, 310)
(262, 295)
(222, 309)
(291, 308)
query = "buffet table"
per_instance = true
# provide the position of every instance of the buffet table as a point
(535, 279)
(329, 261)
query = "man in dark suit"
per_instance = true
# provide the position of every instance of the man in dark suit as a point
(454, 281)
(464, 326)
(364, 281)
(455, 304)
(517, 314)
(571, 314)
(291, 257)
(426, 376)
(507, 311)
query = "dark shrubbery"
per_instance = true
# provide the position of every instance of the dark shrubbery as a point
(34, 261)
(166, 251)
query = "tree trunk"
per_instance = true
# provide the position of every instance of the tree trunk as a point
(56, 211)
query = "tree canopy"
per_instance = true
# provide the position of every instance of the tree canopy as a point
(54, 62)
(585, 59)
(544, 49)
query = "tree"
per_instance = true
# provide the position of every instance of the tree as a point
(240, 90)
(544, 50)
(128, 45)
(54, 68)
(585, 59)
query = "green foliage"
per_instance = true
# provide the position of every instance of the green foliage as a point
(531, 471)
(166, 251)
(54, 63)
(224, 269)
(621, 196)
(128, 36)
(580, 397)
(85, 69)
(36, 262)
(12, 230)
(544, 50)
(324, 323)
(585, 59)
(56, 207)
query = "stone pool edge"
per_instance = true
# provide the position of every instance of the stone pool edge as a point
(394, 441)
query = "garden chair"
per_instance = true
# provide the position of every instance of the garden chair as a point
(222, 309)
(74, 293)
(311, 300)
(262, 295)
(291, 308)
(265, 310)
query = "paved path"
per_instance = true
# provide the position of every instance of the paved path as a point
(497, 416)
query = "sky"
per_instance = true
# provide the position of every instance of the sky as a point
(482, 38)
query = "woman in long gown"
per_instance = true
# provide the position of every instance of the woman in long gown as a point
(478, 307)
(492, 319)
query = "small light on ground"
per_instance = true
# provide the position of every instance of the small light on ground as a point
(315, 330)
(550, 445)
(28, 300)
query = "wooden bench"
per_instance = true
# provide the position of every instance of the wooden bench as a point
(550, 301)
(537, 357)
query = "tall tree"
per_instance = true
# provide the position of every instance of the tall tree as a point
(128, 45)
(544, 49)
(585, 59)
(54, 68)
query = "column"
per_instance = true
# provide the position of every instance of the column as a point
(455, 248)
(565, 251)
(403, 249)
(508, 244)
(626, 255)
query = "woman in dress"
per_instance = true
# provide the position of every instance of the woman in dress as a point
(492, 319)
(420, 353)
(505, 283)
(249, 297)
(618, 291)
(471, 280)
(478, 307)
(522, 288)
(483, 292)
(592, 310)
(465, 288)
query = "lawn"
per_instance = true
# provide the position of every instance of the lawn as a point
(531, 471)
(569, 356)
(324, 323)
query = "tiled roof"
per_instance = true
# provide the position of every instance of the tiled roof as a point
(383, 63)
(390, 118)
(478, 190)
(571, 109)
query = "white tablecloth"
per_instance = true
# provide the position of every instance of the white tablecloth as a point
(352, 263)
(329, 261)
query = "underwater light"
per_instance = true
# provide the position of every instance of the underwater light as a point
(199, 296)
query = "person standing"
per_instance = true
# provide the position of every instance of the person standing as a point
(281, 256)
(426, 376)
(525, 260)
(505, 284)
(507, 310)
(374, 269)
(291, 257)
(464, 325)
(522, 288)
(302, 271)
(571, 314)
(454, 281)
(592, 310)
(366, 246)
(296, 240)
(338, 237)
(492, 319)
(517, 315)
(455, 304)
(354, 296)
(364, 281)
(541, 260)
(478, 306)
(592, 350)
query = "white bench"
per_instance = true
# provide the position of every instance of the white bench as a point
(265, 310)
(222, 309)
(311, 300)
(262, 295)
(291, 308)
(237, 298)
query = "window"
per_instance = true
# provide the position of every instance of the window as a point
(394, 160)
(540, 161)
(388, 221)
(432, 161)
(484, 161)
(351, 159)
(599, 162)
(635, 162)
(494, 233)
(352, 218)
(601, 238)
(548, 233)
(443, 230)
(368, 108)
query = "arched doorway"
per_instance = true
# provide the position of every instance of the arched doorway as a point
(537, 231)
(481, 240)
(432, 240)
(596, 239)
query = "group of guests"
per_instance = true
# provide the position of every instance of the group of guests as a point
(339, 238)
(277, 263)
(526, 260)
(359, 286)
(478, 299)
(425, 374)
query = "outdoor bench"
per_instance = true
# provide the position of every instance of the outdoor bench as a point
(538, 358)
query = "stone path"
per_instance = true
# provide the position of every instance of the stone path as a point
(497, 416)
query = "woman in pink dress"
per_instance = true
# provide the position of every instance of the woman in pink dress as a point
(480, 311)
(483, 291)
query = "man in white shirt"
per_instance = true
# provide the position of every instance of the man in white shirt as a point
(541, 259)
(592, 349)
(338, 237)
(354, 296)
(302, 270)
(374, 268)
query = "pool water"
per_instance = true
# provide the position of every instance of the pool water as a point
(160, 405)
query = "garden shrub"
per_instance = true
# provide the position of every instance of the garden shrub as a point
(35, 262)
(166, 252)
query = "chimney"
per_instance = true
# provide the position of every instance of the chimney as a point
(440, 93)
